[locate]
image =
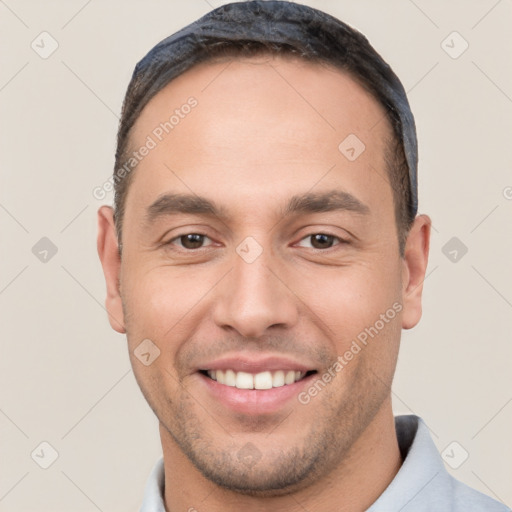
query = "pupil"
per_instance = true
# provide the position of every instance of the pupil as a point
(321, 241)
(192, 241)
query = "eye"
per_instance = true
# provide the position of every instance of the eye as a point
(320, 241)
(190, 241)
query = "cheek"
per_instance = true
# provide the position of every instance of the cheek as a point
(362, 319)
(350, 301)
(156, 310)
(162, 302)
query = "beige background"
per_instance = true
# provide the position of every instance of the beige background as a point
(65, 376)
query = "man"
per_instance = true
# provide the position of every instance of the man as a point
(263, 256)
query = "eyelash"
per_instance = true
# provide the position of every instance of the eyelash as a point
(340, 241)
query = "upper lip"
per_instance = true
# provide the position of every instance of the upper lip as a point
(255, 364)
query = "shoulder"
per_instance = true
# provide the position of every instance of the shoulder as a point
(466, 499)
(423, 484)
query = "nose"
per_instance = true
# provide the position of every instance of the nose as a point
(254, 298)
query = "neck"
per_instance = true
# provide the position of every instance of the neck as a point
(353, 485)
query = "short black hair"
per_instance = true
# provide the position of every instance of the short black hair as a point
(282, 28)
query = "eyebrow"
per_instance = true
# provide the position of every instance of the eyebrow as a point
(333, 200)
(310, 202)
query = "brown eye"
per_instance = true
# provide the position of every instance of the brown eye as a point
(191, 240)
(322, 241)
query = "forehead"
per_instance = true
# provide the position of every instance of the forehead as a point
(260, 125)
(268, 80)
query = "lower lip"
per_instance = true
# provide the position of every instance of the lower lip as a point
(255, 401)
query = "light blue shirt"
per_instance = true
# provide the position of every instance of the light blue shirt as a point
(421, 485)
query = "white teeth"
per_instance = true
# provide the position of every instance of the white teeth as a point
(230, 378)
(262, 380)
(278, 379)
(289, 378)
(244, 381)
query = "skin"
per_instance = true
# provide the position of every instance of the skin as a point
(241, 149)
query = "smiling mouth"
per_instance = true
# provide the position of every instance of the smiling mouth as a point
(260, 381)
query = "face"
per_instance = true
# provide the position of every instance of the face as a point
(262, 263)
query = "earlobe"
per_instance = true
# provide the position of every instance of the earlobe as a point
(108, 252)
(414, 268)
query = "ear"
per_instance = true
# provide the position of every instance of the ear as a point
(108, 251)
(414, 268)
